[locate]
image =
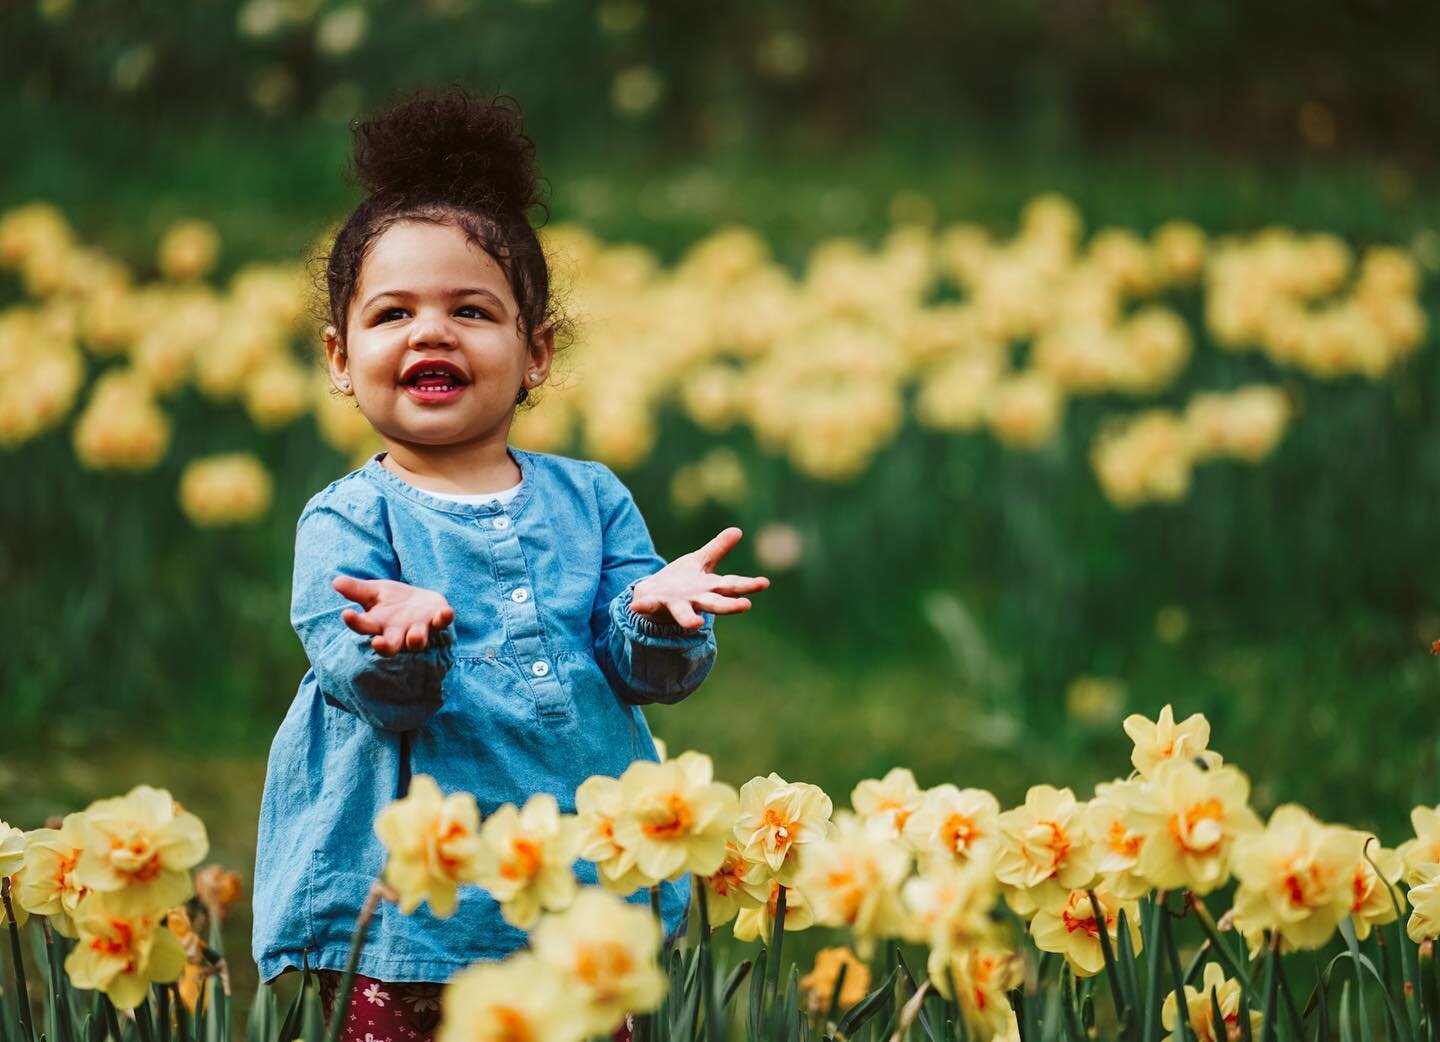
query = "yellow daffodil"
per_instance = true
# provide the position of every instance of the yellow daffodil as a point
(12, 849)
(1163, 739)
(431, 845)
(759, 923)
(138, 850)
(949, 905)
(738, 883)
(1117, 842)
(953, 824)
(891, 799)
(819, 983)
(598, 802)
(853, 879)
(1070, 925)
(525, 859)
(122, 953)
(1424, 848)
(780, 822)
(518, 1000)
(1375, 899)
(218, 888)
(1190, 819)
(1424, 897)
(1043, 848)
(1295, 879)
(49, 887)
(606, 949)
(676, 818)
(1215, 990)
(982, 977)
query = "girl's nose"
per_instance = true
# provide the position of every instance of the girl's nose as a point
(431, 329)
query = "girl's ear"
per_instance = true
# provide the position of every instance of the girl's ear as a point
(337, 360)
(542, 354)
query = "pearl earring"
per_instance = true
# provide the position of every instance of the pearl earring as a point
(534, 376)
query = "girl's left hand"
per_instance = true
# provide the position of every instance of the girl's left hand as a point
(688, 585)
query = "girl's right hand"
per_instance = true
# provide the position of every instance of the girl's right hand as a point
(398, 616)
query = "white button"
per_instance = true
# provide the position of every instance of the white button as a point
(539, 668)
(520, 595)
(501, 522)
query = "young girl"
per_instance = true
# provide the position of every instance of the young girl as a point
(515, 613)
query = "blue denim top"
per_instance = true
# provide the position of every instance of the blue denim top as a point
(534, 687)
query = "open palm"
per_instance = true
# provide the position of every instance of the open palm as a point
(688, 585)
(398, 616)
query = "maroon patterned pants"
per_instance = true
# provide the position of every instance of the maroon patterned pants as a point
(394, 1012)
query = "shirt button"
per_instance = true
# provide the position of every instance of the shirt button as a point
(501, 522)
(520, 595)
(540, 668)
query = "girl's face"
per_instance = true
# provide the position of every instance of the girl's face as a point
(433, 351)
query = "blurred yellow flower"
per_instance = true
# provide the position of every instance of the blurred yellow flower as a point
(1163, 739)
(1424, 848)
(276, 392)
(949, 905)
(954, 825)
(1295, 879)
(188, 250)
(758, 923)
(229, 489)
(121, 427)
(1094, 700)
(1424, 896)
(431, 845)
(218, 888)
(983, 976)
(1070, 925)
(606, 950)
(138, 850)
(50, 887)
(12, 849)
(1375, 899)
(676, 818)
(525, 859)
(520, 998)
(820, 982)
(889, 801)
(780, 822)
(1216, 990)
(1190, 819)
(738, 883)
(122, 952)
(853, 879)
(1025, 411)
(1178, 248)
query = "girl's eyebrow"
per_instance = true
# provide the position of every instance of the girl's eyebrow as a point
(469, 291)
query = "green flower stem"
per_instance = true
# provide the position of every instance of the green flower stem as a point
(1182, 1008)
(777, 935)
(378, 890)
(1152, 975)
(22, 996)
(1217, 943)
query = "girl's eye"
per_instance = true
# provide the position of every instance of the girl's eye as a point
(479, 312)
(389, 314)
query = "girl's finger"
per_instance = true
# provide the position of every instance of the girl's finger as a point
(718, 547)
(717, 605)
(361, 623)
(684, 615)
(416, 637)
(443, 618)
(733, 584)
(362, 590)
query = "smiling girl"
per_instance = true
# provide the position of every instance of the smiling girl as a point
(513, 614)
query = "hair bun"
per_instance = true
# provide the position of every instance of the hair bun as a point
(449, 146)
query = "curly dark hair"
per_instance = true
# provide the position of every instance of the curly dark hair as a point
(447, 157)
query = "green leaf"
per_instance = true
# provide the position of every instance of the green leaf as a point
(857, 1015)
(733, 982)
(261, 1025)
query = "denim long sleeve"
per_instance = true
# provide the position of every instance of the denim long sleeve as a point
(644, 661)
(394, 693)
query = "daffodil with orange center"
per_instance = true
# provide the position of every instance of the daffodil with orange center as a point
(960, 826)
(1424, 848)
(1375, 899)
(819, 983)
(759, 923)
(1215, 990)
(853, 879)
(949, 905)
(780, 822)
(982, 979)
(676, 817)
(49, 887)
(1424, 897)
(890, 800)
(1190, 819)
(1117, 842)
(1071, 925)
(1163, 739)
(606, 949)
(526, 859)
(431, 845)
(518, 1000)
(139, 849)
(1043, 848)
(738, 883)
(1295, 879)
(598, 802)
(122, 953)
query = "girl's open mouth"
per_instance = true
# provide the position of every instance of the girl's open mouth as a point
(433, 392)
(434, 382)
